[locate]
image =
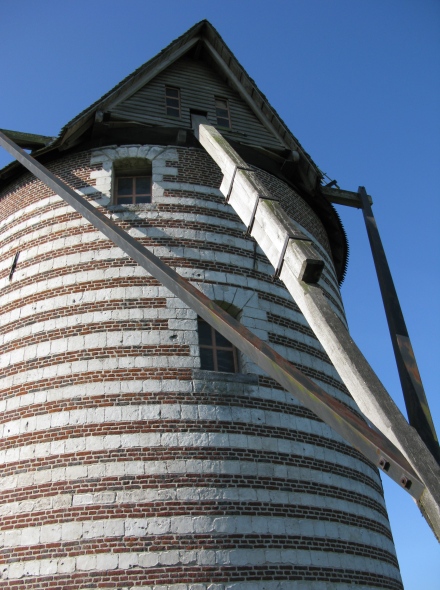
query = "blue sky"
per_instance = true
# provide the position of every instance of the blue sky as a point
(356, 82)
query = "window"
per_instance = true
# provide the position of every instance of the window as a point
(216, 352)
(222, 112)
(132, 181)
(172, 101)
(132, 190)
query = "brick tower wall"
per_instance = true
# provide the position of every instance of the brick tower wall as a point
(122, 463)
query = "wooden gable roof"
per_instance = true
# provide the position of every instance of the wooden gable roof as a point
(201, 39)
(198, 86)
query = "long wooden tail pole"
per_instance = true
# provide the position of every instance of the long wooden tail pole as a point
(300, 273)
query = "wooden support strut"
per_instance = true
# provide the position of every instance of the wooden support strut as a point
(269, 230)
(371, 443)
(238, 177)
(419, 415)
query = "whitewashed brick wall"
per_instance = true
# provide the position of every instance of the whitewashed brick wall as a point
(119, 458)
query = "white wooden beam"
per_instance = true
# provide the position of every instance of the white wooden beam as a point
(269, 230)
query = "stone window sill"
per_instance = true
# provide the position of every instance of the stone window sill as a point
(228, 377)
(138, 207)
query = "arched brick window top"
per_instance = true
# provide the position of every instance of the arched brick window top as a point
(132, 181)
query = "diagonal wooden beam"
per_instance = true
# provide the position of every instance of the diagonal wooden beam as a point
(268, 228)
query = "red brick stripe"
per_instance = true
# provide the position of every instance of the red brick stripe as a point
(99, 305)
(192, 574)
(123, 374)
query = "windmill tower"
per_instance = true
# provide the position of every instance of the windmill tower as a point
(140, 447)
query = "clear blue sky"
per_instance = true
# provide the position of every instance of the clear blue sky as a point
(358, 84)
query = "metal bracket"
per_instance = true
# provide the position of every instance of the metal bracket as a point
(281, 260)
(14, 264)
(228, 196)
(298, 236)
(259, 198)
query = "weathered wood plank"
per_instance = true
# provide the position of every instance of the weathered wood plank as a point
(199, 85)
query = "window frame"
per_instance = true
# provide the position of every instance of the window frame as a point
(173, 98)
(214, 348)
(221, 117)
(133, 195)
(132, 168)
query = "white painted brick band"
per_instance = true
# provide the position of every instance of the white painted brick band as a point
(236, 557)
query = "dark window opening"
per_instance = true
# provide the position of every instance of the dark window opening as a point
(216, 352)
(198, 112)
(172, 101)
(222, 112)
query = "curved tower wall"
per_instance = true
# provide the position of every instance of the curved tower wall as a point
(122, 463)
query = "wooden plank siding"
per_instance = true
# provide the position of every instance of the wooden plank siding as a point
(199, 85)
